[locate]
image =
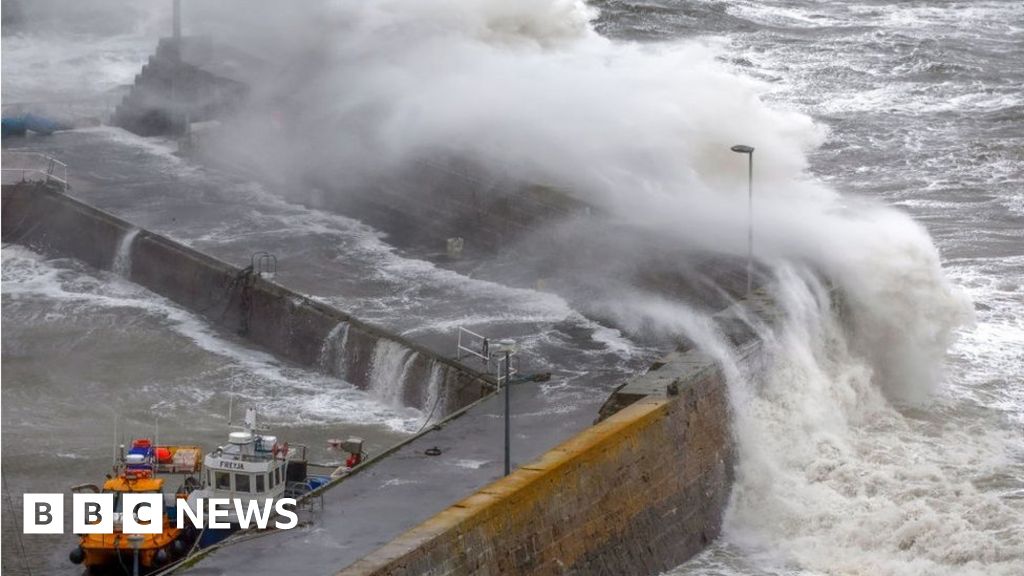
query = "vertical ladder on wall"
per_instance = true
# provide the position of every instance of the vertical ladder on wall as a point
(264, 265)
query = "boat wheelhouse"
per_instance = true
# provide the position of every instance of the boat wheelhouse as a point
(252, 468)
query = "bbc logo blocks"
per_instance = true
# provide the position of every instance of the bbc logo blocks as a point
(93, 513)
(43, 514)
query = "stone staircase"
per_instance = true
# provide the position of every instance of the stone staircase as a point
(176, 87)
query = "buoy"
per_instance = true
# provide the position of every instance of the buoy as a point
(163, 455)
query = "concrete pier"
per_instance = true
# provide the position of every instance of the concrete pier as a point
(638, 493)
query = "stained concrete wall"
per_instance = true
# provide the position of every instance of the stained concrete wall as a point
(284, 322)
(638, 493)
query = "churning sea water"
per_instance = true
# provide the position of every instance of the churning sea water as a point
(924, 108)
(853, 458)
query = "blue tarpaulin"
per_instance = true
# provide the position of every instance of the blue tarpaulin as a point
(18, 125)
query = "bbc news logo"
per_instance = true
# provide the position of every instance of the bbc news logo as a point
(95, 513)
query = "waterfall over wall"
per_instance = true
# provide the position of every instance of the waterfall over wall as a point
(389, 370)
(332, 353)
(122, 261)
(432, 394)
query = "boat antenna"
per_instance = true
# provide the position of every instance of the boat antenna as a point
(231, 402)
(114, 456)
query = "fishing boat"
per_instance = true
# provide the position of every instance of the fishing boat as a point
(252, 467)
(143, 470)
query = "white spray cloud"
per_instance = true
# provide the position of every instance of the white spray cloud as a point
(642, 130)
(831, 478)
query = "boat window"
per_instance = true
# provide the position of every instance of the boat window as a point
(222, 480)
(241, 482)
(261, 483)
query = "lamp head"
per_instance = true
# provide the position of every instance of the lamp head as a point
(506, 345)
(743, 149)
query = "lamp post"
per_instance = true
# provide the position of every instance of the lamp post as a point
(135, 540)
(176, 21)
(508, 348)
(749, 151)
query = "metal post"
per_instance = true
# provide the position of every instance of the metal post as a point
(135, 540)
(750, 221)
(749, 151)
(177, 21)
(508, 382)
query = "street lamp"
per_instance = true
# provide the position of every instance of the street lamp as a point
(508, 348)
(136, 541)
(749, 151)
(176, 21)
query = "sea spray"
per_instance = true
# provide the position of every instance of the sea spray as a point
(831, 477)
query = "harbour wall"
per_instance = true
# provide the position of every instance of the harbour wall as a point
(181, 83)
(638, 493)
(290, 325)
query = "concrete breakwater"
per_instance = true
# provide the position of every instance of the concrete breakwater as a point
(639, 492)
(290, 325)
(181, 83)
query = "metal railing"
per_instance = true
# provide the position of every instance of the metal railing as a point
(471, 344)
(499, 366)
(264, 265)
(21, 166)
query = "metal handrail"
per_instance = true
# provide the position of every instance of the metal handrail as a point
(464, 350)
(499, 366)
(36, 164)
(484, 354)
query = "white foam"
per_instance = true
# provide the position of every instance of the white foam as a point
(831, 478)
(293, 394)
(471, 464)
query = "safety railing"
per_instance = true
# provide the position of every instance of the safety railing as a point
(473, 345)
(498, 360)
(264, 265)
(18, 166)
